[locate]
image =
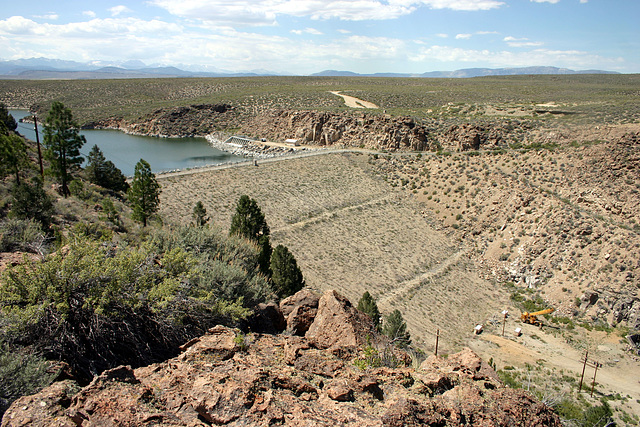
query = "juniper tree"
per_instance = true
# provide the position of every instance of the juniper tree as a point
(286, 276)
(144, 193)
(62, 141)
(396, 328)
(13, 155)
(7, 122)
(200, 214)
(367, 304)
(103, 172)
(32, 202)
(249, 222)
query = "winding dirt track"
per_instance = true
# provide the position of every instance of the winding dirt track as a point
(354, 102)
(414, 284)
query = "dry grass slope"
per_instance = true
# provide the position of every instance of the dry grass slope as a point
(351, 231)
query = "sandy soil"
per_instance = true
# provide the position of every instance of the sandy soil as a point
(544, 348)
(355, 102)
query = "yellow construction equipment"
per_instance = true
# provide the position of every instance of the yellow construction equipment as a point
(532, 318)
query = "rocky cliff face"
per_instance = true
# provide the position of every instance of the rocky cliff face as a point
(341, 129)
(308, 127)
(194, 120)
(228, 378)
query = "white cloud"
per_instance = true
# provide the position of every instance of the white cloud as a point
(584, 1)
(118, 10)
(521, 42)
(469, 5)
(569, 58)
(50, 15)
(265, 12)
(546, 1)
(89, 13)
(343, 31)
(311, 31)
(463, 36)
(442, 35)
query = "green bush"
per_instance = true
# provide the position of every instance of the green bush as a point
(20, 374)
(21, 235)
(367, 304)
(32, 202)
(98, 304)
(286, 275)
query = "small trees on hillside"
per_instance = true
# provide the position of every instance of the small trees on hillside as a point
(32, 202)
(7, 122)
(249, 222)
(103, 172)
(396, 328)
(63, 142)
(368, 305)
(144, 193)
(13, 155)
(286, 275)
(200, 214)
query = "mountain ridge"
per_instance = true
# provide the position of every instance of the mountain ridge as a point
(45, 68)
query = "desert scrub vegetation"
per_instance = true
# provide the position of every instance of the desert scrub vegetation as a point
(557, 389)
(93, 289)
(579, 98)
(96, 304)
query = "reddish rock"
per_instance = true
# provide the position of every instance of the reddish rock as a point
(283, 379)
(267, 319)
(300, 310)
(340, 391)
(339, 324)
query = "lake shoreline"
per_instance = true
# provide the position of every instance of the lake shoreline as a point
(124, 148)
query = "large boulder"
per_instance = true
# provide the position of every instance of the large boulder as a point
(300, 310)
(267, 318)
(339, 324)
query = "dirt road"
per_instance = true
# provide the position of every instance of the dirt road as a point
(354, 102)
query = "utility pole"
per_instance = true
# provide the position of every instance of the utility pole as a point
(35, 122)
(437, 338)
(586, 353)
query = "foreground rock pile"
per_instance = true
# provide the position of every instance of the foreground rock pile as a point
(227, 378)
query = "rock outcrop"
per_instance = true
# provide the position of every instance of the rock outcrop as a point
(341, 129)
(193, 120)
(300, 310)
(227, 378)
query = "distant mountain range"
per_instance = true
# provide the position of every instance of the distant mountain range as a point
(44, 68)
(471, 72)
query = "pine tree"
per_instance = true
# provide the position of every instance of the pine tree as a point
(13, 155)
(286, 276)
(200, 214)
(62, 141)
(396, 328)
(368, 305)
(249, 222)
(144, 193)
(7, 122)
(103, 172)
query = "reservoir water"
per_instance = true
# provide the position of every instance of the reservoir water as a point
(163, 154)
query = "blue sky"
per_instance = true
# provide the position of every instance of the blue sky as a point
(307, 36)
